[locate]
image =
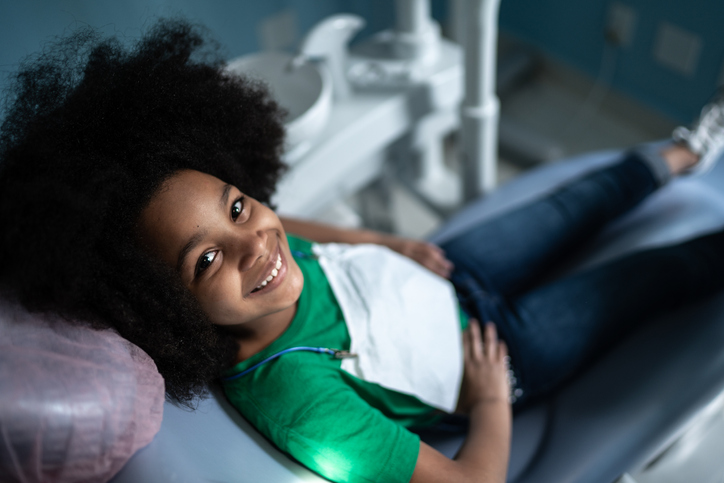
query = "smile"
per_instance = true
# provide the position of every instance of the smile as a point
(274, 273)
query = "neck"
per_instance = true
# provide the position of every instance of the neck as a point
(255, 336)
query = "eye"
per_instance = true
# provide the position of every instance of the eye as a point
(237, 208)
(205, 261)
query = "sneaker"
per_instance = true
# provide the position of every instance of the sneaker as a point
(706, 136)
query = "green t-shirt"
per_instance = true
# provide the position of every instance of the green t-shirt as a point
(340, 426)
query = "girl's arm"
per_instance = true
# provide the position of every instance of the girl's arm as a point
(426, 254)
(484, 397)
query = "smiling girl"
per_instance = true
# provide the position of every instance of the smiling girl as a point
(230, 251)
(135, 191)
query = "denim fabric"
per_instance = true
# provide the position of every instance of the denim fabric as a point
(506, 272)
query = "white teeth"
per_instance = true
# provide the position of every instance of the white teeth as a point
(274, 273)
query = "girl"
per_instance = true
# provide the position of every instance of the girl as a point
(134, 193)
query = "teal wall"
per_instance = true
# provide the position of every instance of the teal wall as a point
(572, 31)
(569, 30)
(25, 25)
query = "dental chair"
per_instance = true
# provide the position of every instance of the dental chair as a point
(618, 415)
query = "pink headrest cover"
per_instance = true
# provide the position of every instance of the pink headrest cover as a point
(75, 403)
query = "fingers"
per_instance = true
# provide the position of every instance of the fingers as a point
(502, 349)
(477, 345)
(426, 254)
(491, 341)
(486, 373)
(477, 351)
(433, 258)
(442, 266)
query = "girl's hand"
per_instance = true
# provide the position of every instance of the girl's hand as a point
(485, 378)
(484, 455)
(426, 254)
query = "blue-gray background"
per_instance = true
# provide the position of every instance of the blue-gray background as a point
(568, 30)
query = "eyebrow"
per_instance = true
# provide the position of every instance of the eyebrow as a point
(225, 196)
(196, 239)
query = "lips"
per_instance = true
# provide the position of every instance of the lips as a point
(273, 273)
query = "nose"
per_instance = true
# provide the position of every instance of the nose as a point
(252, 245)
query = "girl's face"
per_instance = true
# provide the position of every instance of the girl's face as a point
(229, 250)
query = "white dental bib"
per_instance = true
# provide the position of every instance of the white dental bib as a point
(402, 319)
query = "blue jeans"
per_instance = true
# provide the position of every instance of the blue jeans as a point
(505, 272)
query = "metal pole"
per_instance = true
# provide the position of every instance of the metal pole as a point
(413, 16)
(481, 109)
(417, 35)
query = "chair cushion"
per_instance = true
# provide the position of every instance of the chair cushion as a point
(75, 403)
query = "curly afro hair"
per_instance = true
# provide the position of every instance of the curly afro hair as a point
(92, 129)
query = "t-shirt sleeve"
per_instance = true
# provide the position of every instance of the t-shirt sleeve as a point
(328, 428)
